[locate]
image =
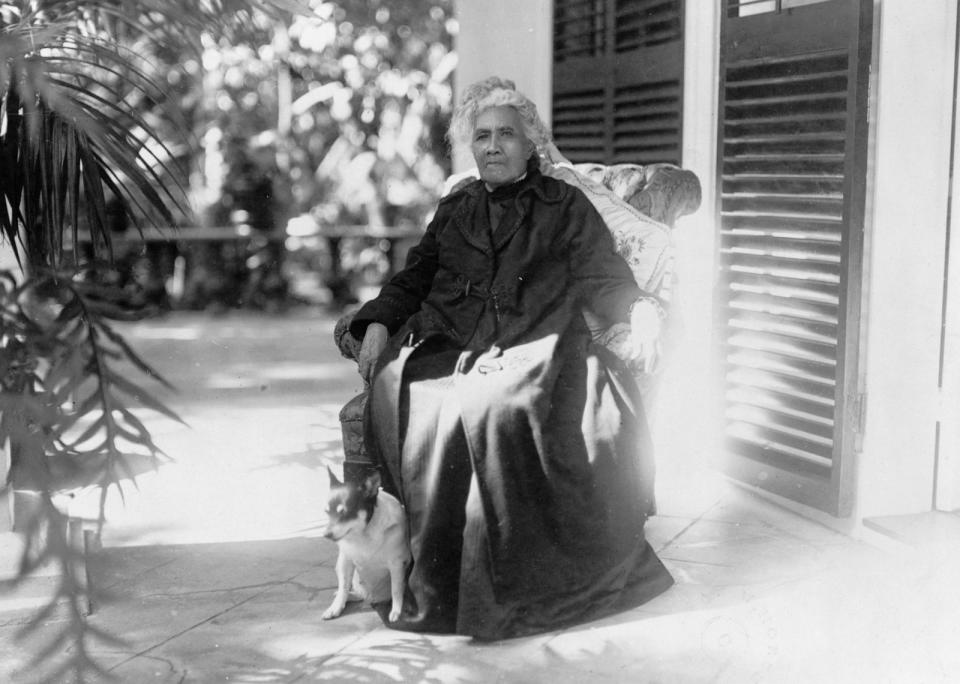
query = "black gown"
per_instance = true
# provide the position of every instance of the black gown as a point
(518, 446)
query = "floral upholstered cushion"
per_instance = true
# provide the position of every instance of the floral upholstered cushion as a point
(640, 205)
(663, 192)
(645, 244)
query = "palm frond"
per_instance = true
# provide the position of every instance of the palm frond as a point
(76, 132)
(84, 118)
(85, 401)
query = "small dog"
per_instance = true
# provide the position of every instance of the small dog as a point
(370, 528)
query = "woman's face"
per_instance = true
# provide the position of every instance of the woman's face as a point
(499, 146)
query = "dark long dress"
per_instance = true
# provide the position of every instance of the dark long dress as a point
(518, 447)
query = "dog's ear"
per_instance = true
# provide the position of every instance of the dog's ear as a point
(371, 484)
(334, 482)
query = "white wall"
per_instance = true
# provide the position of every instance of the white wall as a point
(905, 256)
(508, 38)
(689, 389)
(948, 481)
(695, 377)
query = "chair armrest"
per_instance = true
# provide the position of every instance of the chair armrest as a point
(669, 193)
(348, 345)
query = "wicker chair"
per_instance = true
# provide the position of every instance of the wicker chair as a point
(641, 205)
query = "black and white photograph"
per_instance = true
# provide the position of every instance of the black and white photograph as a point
(480, 341)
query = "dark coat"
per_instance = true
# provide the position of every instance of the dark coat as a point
(550, 256)
(559, 458)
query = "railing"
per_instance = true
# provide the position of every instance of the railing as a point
(377, 252)
(222, 267)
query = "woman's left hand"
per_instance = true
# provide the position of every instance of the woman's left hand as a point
(645, 324)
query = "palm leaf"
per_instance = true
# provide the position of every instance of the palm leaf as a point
(136, 392)
(133, 357)
(78, 85)
(89, 432)
(73, 131)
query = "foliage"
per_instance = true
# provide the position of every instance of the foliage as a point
(103, 103)
(65, 368)
(357, 135)
(66, 407)
(84, 119)
(79, 97)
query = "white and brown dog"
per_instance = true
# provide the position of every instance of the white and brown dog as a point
(370, 528)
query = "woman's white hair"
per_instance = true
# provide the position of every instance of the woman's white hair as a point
(496, 92)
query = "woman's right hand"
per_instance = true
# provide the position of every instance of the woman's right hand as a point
(646, 316)
(374, 342)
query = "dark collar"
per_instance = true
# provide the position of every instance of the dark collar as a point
(511, 190)
(544, 187)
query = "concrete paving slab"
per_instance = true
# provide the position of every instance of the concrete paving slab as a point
(269, 636)
(217, 574)
(177, 603)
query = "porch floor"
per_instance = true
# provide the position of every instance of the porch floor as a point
(213, 571)
(921, 529)
(762, 595)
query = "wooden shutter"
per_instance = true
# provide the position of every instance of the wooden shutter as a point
(792, 169)
(617, 80)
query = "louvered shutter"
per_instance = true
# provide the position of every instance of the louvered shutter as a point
(617, 80)
(792, 153)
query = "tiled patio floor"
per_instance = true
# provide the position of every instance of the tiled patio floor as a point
(762, 595)
(215, 574)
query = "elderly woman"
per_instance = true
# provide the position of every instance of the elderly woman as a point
(518, 447)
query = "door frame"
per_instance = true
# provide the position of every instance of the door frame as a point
(946, 495)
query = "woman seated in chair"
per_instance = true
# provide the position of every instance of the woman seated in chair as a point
(518, 446)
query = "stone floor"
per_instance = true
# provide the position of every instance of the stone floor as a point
(212, 570)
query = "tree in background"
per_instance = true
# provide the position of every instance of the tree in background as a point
(336, 118)
(344, 109)
(335, 115)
